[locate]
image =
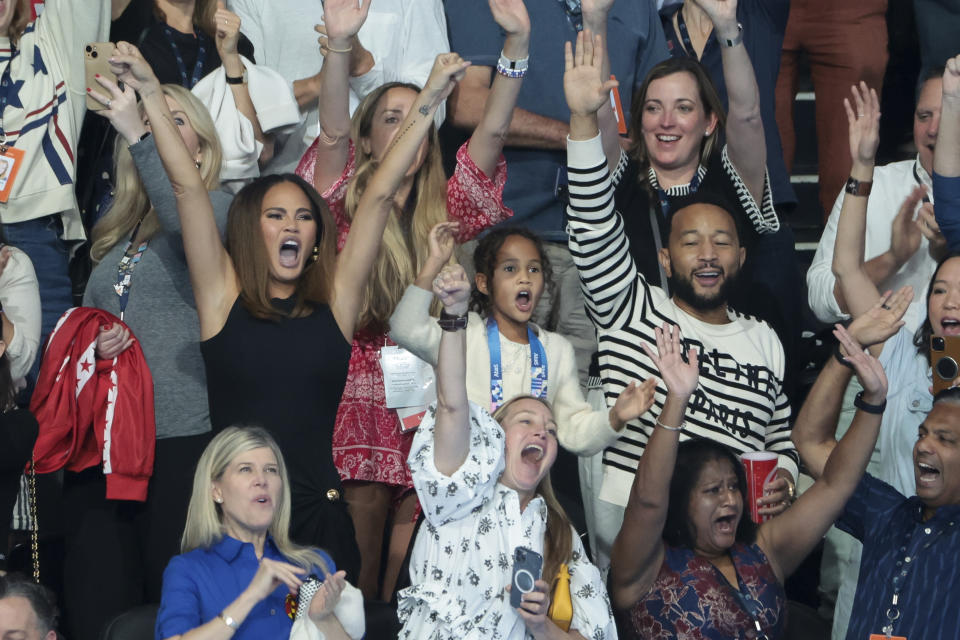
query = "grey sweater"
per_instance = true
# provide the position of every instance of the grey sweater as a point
(160, 310)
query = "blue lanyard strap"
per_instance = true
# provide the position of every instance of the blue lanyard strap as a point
(747, 603)
(538, 365)
(202, 43)
(685, 35)
(125, 269)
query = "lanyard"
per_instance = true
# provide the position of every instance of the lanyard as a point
(904, 565)
(574, 13)
(749, 605)
(8, 94)
(538, 365)
(181, 65)
(664, 197)
(685, 35)
(125, 269)
(916, 176)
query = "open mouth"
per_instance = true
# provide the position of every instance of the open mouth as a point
(532, 453)
(289, 253)
(524, 300)
(950, 326)
(726, 524)
(926, 474)
(264, 500)
(667, 138)
(708, 277)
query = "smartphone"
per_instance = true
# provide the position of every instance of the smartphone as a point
(945, 361)
(96, 55)
(527, 567)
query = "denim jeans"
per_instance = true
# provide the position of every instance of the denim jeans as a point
(50, 255)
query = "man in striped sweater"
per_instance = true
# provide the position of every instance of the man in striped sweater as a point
(739, 400)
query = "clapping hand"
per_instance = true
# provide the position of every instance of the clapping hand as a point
(868, 369)
(678, 375)
(882, 320)
(585, 88)
(927, 223)
(634, 401)
(453, 289)
(327, 596)
(905, 233)
(863, 119)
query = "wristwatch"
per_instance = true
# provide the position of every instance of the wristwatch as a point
(858, 187)
(737, 40)
(241, 79)
(450, 322)
(227, 620)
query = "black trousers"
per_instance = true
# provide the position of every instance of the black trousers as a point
(116, 551)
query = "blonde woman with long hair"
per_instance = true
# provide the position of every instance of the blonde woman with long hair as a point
(140, 275)
(369, 446)
(238, 566)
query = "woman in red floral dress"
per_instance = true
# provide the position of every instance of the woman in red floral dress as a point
(369, 448)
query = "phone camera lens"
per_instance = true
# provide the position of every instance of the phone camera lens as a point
(939, 344)
(93, 55)
(89, 48)
(947, 368)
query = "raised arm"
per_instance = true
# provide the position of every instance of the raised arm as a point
(363, 242)
(595, 14)
(946, 158)
(342, 21)
(858, 290)
(789, 537)
(491, 132)
(452, 430)
(212, 275)
(744, 131)
(638, 550)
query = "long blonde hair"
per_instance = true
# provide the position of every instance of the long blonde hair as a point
(131, 203)
(558, 540)
(404, 248)
(204, 526)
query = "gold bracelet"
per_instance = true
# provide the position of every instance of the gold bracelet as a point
(660, 424)
(347, 50)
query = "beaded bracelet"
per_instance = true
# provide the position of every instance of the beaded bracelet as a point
(512, 68)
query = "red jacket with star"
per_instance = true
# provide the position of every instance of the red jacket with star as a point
(94, 411)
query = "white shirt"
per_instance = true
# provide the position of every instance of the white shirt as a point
(462, 557)
(892, 184)
(20, 296)
(404, 37)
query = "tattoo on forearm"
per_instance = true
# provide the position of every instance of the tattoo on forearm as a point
(424, 110)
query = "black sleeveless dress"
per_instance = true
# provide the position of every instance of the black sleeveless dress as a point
(287, 376)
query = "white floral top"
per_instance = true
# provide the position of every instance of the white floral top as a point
(462, 558)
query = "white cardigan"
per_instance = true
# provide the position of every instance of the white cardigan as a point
(580, 429)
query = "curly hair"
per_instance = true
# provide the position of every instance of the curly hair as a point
(485, 262)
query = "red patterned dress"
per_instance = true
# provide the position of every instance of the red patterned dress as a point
(367, 442)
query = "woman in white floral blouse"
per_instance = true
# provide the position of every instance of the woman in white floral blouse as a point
(484, 486)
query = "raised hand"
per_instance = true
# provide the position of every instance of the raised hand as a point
(634, 401)
(511, 15)
(448, 70)
(863, 119)
(905, 234)
(128, 64)
(442, 241)
(112, 341)
(227, 30)
(327, 596)
(723, 15)
(951, 79)
(882, 320)
(868, 369)
(927, 223)
(121, 111)
(680, 377)
(583, 83)
(342, 19)
(453, 289)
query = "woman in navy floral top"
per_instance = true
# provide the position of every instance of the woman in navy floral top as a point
(687, 563)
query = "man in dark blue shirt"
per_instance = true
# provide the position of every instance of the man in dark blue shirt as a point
(909, 579)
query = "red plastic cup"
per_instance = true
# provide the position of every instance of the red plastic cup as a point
(761, 468)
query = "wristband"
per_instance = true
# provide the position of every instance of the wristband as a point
(863, 405)
(839, 357)
(241, 79)
(660, 424)
(227, 620)
(512, 68)
(450, 322)
(858, 187)
(737, 40)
